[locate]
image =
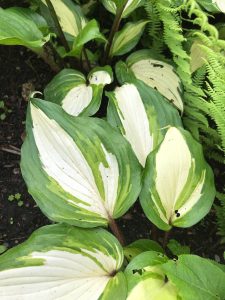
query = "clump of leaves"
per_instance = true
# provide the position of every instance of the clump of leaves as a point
(85, 172)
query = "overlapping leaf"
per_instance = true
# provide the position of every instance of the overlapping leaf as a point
(79, 170)
(69, 14)
(155, 73)
(178, 185)
(113, 5)
(196, 278)
(126, 39)
(69, 89)
(141, 114)
(146, 280)
(63, 262)
(17, 30)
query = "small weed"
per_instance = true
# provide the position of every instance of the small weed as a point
(16, 197)
(3, 111)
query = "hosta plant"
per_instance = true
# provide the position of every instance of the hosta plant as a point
(86, 172)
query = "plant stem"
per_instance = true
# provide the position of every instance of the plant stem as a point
(117, 232)
(84, 51)
(114, 29)
(166, 238)
(58, 26)
(48, 59)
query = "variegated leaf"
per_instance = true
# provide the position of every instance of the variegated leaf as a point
(178, 185)
(146, 280)
(141, 114)
(155, 73)
(113, 5)
(69, 14)
(69, 89)
(79, 170)
(62, 262)
(220, 4)
(126, 39)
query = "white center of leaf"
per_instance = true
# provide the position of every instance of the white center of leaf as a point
(64, 162)
(135, 121)
(77, 99)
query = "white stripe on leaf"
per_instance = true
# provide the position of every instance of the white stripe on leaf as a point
(134, 120)
(161, 76)
(100, 77)
(64, 162)
(77, 99)
(62, 276)
(173, 163)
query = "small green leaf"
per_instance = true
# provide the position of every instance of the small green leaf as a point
(2, 116)
(177, 249)
(126, 39)
(20, 203)
(140, 246)
(11, 197)
(90, 32)
(17, 196)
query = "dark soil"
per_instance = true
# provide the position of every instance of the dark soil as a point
(20, 70)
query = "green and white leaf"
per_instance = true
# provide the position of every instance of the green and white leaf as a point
(112, 5)
(70, 15)
(15, 29)
(178, 185)
(69, 89)
(141, 114)
(140, 246)
(145, 279)
(155, 73)
(62, 262)
(79, 170)
(196, 278)
(220, 4)
(91, 31)
(126, 39)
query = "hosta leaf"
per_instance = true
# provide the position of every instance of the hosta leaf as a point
(140, 246)
(145, 279)
(90, 32)
(62, 262)
(220, 4)
(31, 15)
(157, 74)
(141, 114)
(126, 39)
(15, 29)
(79, 170)
(69, 89)
(69, 14)
(178, 185)
(112, 5)
(196, 278)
